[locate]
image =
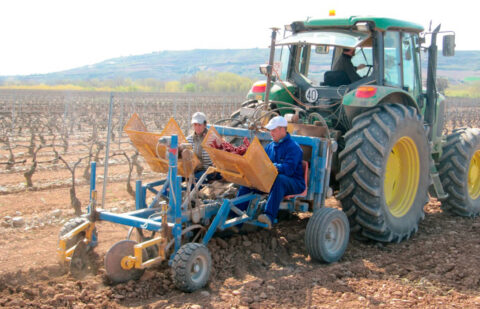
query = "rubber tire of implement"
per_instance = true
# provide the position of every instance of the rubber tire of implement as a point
(363, 172)
(187, 257)
(461, 150)
(69, 226)
(327, 235)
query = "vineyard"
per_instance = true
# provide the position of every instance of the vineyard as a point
(49, 138)
(43, 131)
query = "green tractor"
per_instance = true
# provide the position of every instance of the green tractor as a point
(392, 153)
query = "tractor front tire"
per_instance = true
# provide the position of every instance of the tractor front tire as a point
(384, 175)
(459, 171)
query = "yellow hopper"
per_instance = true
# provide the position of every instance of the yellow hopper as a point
(155, 153)
(254, 169)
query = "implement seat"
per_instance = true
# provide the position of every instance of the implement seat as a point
(304, 193)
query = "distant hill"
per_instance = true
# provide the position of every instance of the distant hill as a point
(174, 65)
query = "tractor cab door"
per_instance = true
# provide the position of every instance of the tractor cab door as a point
(402, 63)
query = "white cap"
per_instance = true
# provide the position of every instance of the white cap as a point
(276, 122)
(199, 117)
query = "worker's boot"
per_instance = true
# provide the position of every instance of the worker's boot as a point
(265, 219)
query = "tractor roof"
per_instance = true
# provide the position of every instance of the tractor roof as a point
(380, 23)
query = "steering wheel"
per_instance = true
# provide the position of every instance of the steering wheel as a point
(370, 69)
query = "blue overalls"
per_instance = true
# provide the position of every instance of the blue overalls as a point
(286, 155)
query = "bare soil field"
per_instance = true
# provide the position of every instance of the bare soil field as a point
(438, 267)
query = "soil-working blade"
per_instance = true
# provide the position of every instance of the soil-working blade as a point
(82, 262)
(113, 262)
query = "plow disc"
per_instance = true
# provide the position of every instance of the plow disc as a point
(115, 263)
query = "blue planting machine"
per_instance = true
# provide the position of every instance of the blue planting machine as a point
(179, 230)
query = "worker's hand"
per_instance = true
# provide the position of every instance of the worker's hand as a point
(361, 66)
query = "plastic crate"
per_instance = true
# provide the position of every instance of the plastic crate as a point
(254, 169)
(154, 153)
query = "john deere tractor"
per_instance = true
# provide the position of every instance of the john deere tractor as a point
(389, 129)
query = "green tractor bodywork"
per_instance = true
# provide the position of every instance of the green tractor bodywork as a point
(387, 122)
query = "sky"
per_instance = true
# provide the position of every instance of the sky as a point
(43, 36)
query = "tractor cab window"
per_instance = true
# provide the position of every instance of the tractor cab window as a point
(408, 63)
(362, 60)
(314, 61)
(313, 53)
(392, 59)
(284, 62)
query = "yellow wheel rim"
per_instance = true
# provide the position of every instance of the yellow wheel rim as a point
(402, 175)
(474, 176)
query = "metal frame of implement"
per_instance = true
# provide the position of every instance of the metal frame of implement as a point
(169, 219)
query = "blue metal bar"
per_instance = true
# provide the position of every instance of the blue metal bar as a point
(319, 186)
(93, 177)
(155, 183)
(129, 220)
(228, 131)
(243, 198)
(175, 194)
(139, 199)
(217, 221)
(143, 213)
(222, 214)
(313, 167)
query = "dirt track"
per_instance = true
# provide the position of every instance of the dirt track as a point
(438, 267)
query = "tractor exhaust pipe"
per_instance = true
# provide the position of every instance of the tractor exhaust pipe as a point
(270, 66)
(430, 111)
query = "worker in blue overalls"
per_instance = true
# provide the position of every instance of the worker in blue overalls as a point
(286, 155)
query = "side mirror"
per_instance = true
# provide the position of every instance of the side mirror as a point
(448, 48)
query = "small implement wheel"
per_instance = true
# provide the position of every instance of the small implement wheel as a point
(69, 226)
(191, 267)
(327, 235)
(117, 270)
(460, 172)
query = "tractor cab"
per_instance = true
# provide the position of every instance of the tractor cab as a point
(313, 58)
(321, 64)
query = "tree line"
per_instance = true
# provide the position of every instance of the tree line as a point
(200, 82)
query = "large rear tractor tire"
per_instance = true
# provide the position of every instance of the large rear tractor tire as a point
(460, 172)
(384, 175)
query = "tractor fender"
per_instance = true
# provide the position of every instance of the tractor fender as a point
(358, 100)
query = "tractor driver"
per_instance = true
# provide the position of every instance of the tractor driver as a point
(286, 155)
(344, 63)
